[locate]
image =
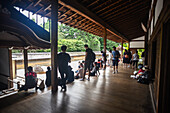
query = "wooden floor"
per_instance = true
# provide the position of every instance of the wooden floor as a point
(108, 93)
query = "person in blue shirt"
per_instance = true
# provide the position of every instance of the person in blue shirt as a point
(115, 56)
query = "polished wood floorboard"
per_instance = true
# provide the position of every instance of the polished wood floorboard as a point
(108, 93)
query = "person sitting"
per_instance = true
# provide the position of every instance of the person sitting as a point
(145, 77)
(48, 77)
(99, 63)
(139, 73)
(30, 80)
(95, 70)
(78, 67)
(80, 72)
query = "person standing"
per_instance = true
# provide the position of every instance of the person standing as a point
(129, 57)
(88, 61)
(143, 57)
(125, 58)
(115, 56)
(48, 77)
(63, 60)
(135, 58)
(110, 58)
(104, 59)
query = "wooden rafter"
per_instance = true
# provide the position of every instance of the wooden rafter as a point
(38, 10)
(136, 4)
(49, 6)
(92, 3)
(101, 5)
(109, 7)
(36, 3)
(112, 8)
(74, 5)
(30, 4)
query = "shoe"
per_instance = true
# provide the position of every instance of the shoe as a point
(116, 71)
(82, 79)
(88, 79)
(113, 72)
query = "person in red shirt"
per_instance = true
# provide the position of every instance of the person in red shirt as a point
(30, 80)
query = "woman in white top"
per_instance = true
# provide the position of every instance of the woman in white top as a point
(135, 59)
(110, 58)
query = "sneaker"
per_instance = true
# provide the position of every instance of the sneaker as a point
(113, 72)
(82, 79)
(117, 71)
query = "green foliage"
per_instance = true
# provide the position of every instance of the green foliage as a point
(73, 45)
(16, 51)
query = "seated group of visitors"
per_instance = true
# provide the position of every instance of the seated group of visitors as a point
(142, 75)
(94, 70)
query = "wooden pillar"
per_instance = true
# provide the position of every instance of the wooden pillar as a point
(128, 45)
(105, 43)
(10, 66)
(122, 49)
(54, 44)
(25, 60)
(146, 48)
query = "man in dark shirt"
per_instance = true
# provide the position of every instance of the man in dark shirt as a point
(88, 61)
(115, 56)
(63, 60)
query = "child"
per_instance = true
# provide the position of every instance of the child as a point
(80, 72)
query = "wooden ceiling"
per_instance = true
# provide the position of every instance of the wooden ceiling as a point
(122, 18)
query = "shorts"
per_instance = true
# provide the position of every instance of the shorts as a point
(87, 65)
(115, 62)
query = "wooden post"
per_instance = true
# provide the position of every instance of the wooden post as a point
(25, 60)
(54, 44)
(122, 49)
(146, 48)
(105, 43)
(128, 45)
(10, 65)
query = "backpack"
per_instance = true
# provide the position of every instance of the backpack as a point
(118, 54)
(70, 78)
(93, 56)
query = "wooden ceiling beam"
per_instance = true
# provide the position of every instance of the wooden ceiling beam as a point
(136, 3)
(13, 2)
(113, 8)
(28, 6)
(64, 13)
(77, 7)
(101, 5)
(36, 3)
(49, 6)
(38, 10)
(127, 17)
(92, 3)
(109, 7)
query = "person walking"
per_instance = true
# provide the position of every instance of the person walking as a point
(110, 58)
(115, 56)
(88, 61)
(63, 60)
